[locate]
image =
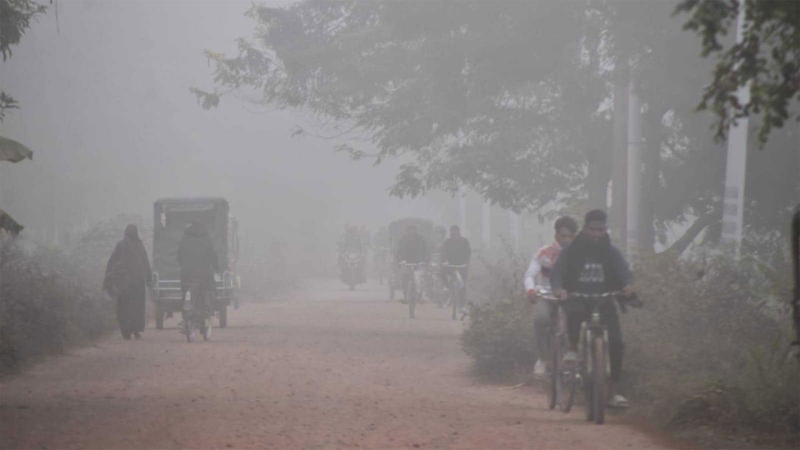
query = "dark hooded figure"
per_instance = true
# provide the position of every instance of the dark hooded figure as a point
(127, 277)
(197, 258)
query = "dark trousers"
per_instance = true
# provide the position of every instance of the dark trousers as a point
(609, 318)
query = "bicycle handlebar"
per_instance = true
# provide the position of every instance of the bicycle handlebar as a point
(619, 296)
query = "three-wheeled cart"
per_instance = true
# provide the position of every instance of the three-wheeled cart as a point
(171, 216)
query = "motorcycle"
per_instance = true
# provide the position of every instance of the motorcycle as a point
(352, 267)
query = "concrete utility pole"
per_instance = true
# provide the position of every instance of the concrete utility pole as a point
(619, 174)
(733, 207)
(634, 166)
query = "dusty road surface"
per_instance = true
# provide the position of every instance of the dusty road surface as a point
(326, 368)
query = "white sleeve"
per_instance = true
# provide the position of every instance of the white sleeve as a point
(533, 269)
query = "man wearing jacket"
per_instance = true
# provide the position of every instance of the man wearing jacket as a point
(591, 265)
(537, 278)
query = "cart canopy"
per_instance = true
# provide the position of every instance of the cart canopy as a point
(171, 216)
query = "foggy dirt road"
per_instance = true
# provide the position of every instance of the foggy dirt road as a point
(326, 368)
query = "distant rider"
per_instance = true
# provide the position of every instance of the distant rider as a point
(456, 251)
(198, 261)
(413, 249)
(591, 265)
(537, 278)
(352, 242)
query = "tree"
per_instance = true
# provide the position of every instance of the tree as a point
(15, 19)
(471, 93)
(478, 94)
(767, 60)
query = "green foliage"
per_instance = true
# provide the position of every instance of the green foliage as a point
(767, 60)
(711, 347)
(45, 304)
(476, 94)
(15, 19)
(500, 338)
(6, 102)
(50, 299)
(481, 98)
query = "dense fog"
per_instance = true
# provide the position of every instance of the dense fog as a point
(106, 107)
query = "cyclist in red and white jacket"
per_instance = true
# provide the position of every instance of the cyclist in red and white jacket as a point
(537, 277)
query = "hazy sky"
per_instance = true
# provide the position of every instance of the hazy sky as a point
(107, 110)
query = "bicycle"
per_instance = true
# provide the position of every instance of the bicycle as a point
(455, 286)
(593, 350)
(197, 313)
(411, 291)
(561, 383)
(593, 369)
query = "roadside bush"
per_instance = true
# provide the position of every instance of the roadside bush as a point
(499, 337)
(51, 298)
(44, 305)
(711, 348)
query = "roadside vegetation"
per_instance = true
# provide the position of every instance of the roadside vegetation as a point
(50, 298)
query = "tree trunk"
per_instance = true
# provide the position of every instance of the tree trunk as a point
(618, 219)
(651, 159)
(689, 236)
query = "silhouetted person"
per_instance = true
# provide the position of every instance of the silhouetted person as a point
(127, 277)
(198, 260)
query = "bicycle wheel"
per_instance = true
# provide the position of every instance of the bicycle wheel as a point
(567, 383)
(553, 369)
(188, 329)
(412, 300)
(599, 380)
(454, 300)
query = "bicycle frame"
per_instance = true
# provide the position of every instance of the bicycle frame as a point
(413, 294)
(455, 284)
(562, 381)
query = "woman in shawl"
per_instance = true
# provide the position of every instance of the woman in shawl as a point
(127, 277)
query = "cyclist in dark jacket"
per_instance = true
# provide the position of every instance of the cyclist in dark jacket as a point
(591, 265)
(412, 249)
(197, 258)
(456, 251)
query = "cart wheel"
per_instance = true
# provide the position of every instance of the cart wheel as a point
(159, 318)
(223, 316)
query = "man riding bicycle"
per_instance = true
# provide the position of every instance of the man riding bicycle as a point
(456, 251)
(198, 261)
(412, 249)
(541, 267)
(591, 265)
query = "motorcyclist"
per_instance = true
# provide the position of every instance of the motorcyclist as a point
(412, 249)
(456, 251)
(537, 278)
(351, 242)
(591, 265)
(198, 261)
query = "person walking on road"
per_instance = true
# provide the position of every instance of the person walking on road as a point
(127, 277)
